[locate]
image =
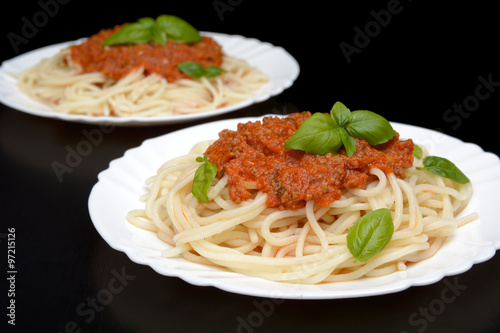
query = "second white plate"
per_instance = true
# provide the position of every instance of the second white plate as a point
(274, 61)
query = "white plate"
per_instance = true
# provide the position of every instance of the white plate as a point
(274, 61)
(119, 187)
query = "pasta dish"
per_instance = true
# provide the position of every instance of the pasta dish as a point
(248, 203)
(175, 70)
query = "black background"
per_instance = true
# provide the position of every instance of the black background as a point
(417, 67)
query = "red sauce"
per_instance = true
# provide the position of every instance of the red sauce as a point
(254, 158)
(119, 60)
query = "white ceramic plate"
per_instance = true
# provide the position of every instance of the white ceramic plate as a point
(276, 62)
(119, 187)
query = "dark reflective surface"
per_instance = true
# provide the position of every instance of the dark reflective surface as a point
(417, 64)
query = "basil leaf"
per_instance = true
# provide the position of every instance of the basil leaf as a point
(177, 29)
(371, 127)
(445, 168)
(196, 70)
(147, 30)
(133, 33)
(340, 114)
(370, 234)
(316, 135)
(157, 35)
(203, 178)
(323, 134)
(348, 141)
(417, 152)
(192, 69)
(213, 71)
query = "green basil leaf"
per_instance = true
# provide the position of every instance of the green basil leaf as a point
(213, 71)
(158, 35)
(322, 135)
(203, 178)
(370, 126)
(192, 69)
(417, 152)
(370, 234)
(133, 33)
(348, 141)
(195, 70)
(147, 30)
(316, 135)
(445, 168)
(178, 29)
(340, 114)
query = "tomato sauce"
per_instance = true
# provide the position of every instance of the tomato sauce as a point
(254, 158)
(119, 60)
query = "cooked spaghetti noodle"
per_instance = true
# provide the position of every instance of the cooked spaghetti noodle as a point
(305, 245)
(60, 82)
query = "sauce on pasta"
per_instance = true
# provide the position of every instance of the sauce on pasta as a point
(119, 60)
(254, 157)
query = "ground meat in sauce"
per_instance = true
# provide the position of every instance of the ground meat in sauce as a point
(254, 158)
(119, 60)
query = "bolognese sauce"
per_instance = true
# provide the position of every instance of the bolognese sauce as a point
(254, 158)
(119, 60)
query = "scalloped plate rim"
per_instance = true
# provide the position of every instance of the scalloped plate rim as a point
(237, 283)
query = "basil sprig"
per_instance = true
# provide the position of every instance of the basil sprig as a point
(322, 134)
(203, 178)
(195, 70)
(417, 152)
(370, 234)
(147, 30)
(445, 168)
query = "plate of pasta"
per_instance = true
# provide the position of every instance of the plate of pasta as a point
(210, 244)
(36, 83)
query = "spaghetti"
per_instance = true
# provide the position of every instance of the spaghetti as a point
(302, 245)
(138, 80)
